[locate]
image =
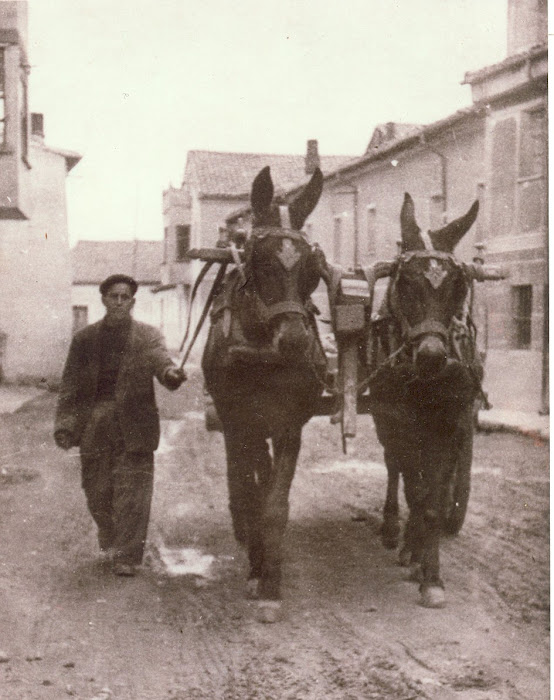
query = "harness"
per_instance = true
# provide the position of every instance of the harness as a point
(224, 312)
(435, 275)
(459, 337)
(288, 259)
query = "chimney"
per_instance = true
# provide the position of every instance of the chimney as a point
(37, 124)
(312, 157)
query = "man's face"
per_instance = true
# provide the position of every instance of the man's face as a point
(118, 301)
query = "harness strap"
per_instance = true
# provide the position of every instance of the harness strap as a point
(238, 262)
(284, 216)
(287, 307)
(213, 291)
(199, 279)
(426, 238)
(428, 327)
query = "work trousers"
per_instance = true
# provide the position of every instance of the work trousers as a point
(117, 484)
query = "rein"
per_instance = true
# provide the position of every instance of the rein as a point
(213, 291)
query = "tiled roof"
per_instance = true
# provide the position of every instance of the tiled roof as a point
(93, 261)
(231, 174)
(410, 137)
(510, 62)
(399, 142)
(383, 134)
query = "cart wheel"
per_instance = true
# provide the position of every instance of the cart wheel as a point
(459, 487)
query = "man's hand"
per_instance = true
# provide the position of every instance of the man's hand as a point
(174, 377)
(63, 439)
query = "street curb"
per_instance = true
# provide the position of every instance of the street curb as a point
(491, 424)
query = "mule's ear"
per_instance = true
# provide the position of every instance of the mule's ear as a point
(262, 192)
(408, 226)
(447, 238)
(304, 204)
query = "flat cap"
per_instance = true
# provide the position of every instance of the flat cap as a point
(118, 279)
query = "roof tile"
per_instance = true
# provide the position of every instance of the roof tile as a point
(93, 261)
(231, 174)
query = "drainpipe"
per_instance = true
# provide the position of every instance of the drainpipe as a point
(356, 230)
(443, 161)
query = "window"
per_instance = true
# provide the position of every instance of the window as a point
(531, 171)
(522, 307)
(503, 177)
(183, 242)
(337, 239)
(80, 318)
(371, 229)
(2, 99)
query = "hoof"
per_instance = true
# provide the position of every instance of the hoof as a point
(433, 597)
(269, 611)
(404, 557)
(253, 588)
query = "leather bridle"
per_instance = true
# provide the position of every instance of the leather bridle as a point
(411, 334)
(267, 312)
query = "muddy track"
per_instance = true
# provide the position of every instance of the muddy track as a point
(352, 627)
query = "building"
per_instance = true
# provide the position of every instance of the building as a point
(215, 184)
(35, 279)
(494, 150)
(93, 261)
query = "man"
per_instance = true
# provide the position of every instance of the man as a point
(107, 407)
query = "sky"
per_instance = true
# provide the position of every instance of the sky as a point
(132, 85)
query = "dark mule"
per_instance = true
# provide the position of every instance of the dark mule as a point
(264, 368)
(422, 395)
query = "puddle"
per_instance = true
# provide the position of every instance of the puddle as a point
(194, 415)
(185, 561)
(349, 465)
(480, 469)
(170, 430)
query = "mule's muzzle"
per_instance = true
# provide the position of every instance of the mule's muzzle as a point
(430, 357)
(291, 337)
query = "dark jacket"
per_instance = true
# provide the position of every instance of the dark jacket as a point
(144, 357)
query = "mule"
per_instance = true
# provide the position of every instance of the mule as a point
(264, 368)
(422, 395)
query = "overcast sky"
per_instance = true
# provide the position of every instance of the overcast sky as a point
(133, 85)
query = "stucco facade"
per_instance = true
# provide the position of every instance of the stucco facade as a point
(494, 151)
(35, 279)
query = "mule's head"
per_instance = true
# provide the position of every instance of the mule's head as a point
(282, 268)
(429, 287)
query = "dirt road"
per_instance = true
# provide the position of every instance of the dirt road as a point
(352, 627)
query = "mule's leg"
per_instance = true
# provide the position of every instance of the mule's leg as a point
(428, 512)
(412, 546)
(286, 448)
(390, 529)
(248, 464)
